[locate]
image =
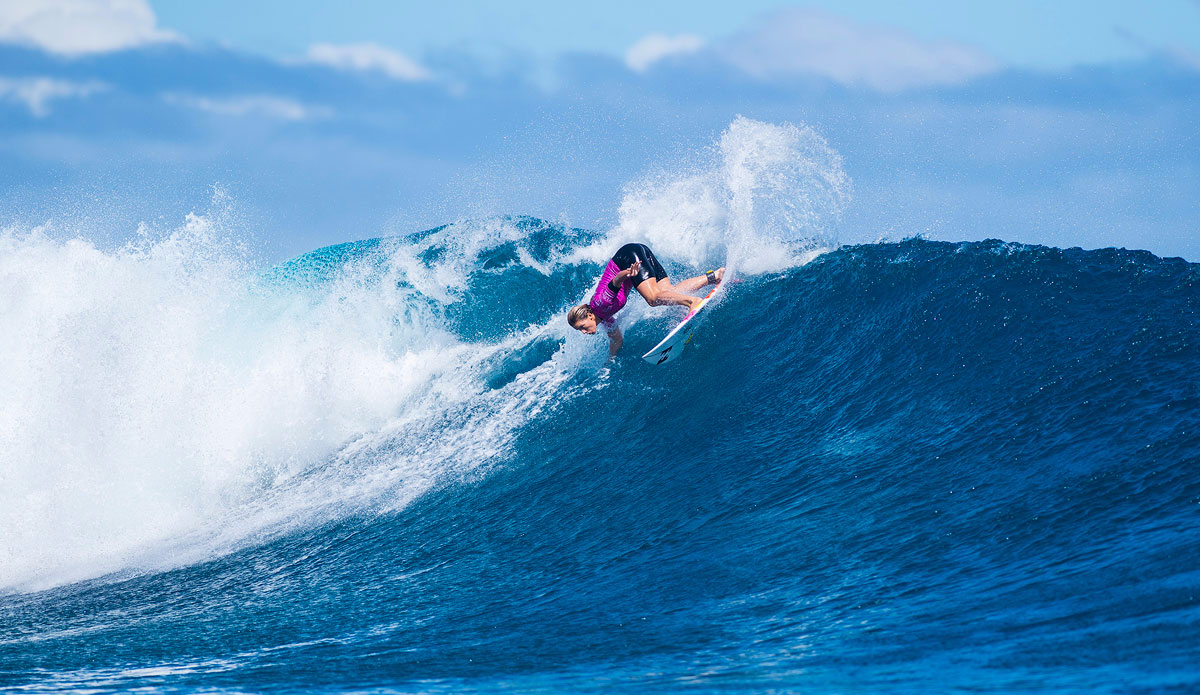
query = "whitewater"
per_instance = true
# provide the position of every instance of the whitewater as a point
(389, 465)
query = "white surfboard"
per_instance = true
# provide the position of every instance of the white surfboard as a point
(672, 346)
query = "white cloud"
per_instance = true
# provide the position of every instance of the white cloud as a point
(251, 105)
(798, 42)
(74, 27)
(368, 56)
(37, 92)
(654, 47)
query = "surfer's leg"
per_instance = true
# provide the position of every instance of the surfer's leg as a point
(656, 294)
(693, 284)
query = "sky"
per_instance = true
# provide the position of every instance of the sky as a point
(303, 123)
(1022, 33)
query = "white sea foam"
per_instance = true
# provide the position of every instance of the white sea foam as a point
(163, 402)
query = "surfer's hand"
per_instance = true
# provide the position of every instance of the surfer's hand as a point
(632, 270)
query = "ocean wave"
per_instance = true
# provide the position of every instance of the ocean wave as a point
(391, 464)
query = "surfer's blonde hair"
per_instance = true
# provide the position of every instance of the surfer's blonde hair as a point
(578, 314)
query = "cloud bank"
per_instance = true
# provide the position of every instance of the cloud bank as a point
(654, 47)
(260, 105)
(368, 57)
(77, 27)
(792, 43)
(36, 93)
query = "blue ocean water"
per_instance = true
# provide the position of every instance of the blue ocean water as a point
(901, 467)
(390, 466)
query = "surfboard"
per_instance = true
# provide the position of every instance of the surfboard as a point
(671, 347)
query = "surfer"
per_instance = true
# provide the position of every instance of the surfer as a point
(634, 265)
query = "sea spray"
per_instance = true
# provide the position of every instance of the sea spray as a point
(763, 198)
(150, 389)
(167, 391)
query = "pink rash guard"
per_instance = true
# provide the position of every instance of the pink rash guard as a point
(605, 303)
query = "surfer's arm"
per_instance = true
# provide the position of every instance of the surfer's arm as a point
(614, 342)
(614, 285)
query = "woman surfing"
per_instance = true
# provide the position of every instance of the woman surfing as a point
(634, 265)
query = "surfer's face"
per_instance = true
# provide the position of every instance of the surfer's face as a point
(587, 324)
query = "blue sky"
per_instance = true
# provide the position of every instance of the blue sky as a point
(305, 124)
(1021, 33)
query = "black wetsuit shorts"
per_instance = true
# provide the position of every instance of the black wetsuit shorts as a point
(651, 268)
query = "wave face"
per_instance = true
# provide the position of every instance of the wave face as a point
(390, 466)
